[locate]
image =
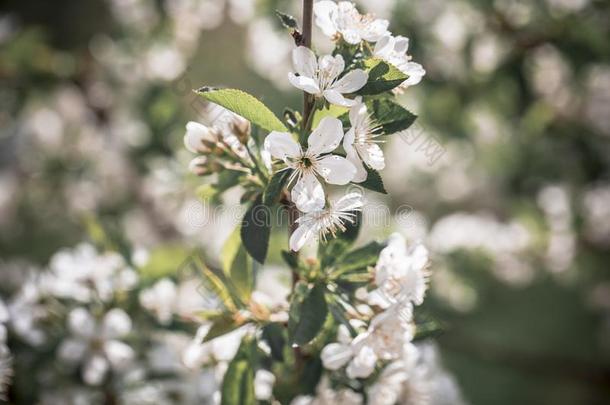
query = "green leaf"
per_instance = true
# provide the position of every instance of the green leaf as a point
(237, 265)
(373, 181)
(308, 311)
(332, 111)
(164, 261)
(288, 21)
(391, 116)
(222, 324)
(383, 77)
(339, 314)
(290, 258)
(244, 104)
(358, 259)
(238, 382)
(216, 281)
(256, 230)
(274, 335)
(275, 186)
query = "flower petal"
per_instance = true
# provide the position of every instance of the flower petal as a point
(375, 30)
(281, 145)
(335, 355)
(361, 173)
(331, 67)
(326, 137)
(336, 169)
(334, 97)
(352, 81)
(372, 155)
(302, 235)
(349, 202)
(325, 12)
(308, 194)
(119, 354)
(363, 364)
(116, 323)
(304, 61)
(196, 133)
(304, 83)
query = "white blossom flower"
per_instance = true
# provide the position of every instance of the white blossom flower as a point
(328, 221)
(400, 272)
(82, 274)
(394, 50)
(343, 19)
(385, 338)
(326, 395)
(361, 144)
(263, 384)
(314, 162)
(160, 299)
(96, 344)
(320, 77)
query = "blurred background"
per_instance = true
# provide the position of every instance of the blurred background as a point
(506, 173)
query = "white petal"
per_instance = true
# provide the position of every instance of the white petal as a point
(281, 145)
(326, 137)
(372, 156)
(334, 97)
(384, 46)
(325, 12)
(304, 61)
(361, 173)
(81, 323)
(335, 355)
(308, 194)
(303, 234)
(352, 81)
(351, 36)
(336, 169)
(72, 350)
(118, 353)
(401, 44)
(95, 370)
(349, 202)
(415, 71)
(116, 323)
(331, 67)
(263, 384)
(304, 83)
(196, 133)
(363, 364)
(375, 30)
(358, 114)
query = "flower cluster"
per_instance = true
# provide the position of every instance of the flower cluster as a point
(400, 283)
(352, 307)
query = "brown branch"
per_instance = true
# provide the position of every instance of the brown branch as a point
(306, 41)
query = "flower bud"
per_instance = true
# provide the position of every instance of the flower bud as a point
(198, 137)
(241, 128)
(199, 166)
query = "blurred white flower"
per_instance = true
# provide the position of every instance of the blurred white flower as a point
(84, 275)
(159, 299)
(320, 77)
(343, 19)
(308, 193)
(95, 343)
(263, 384)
